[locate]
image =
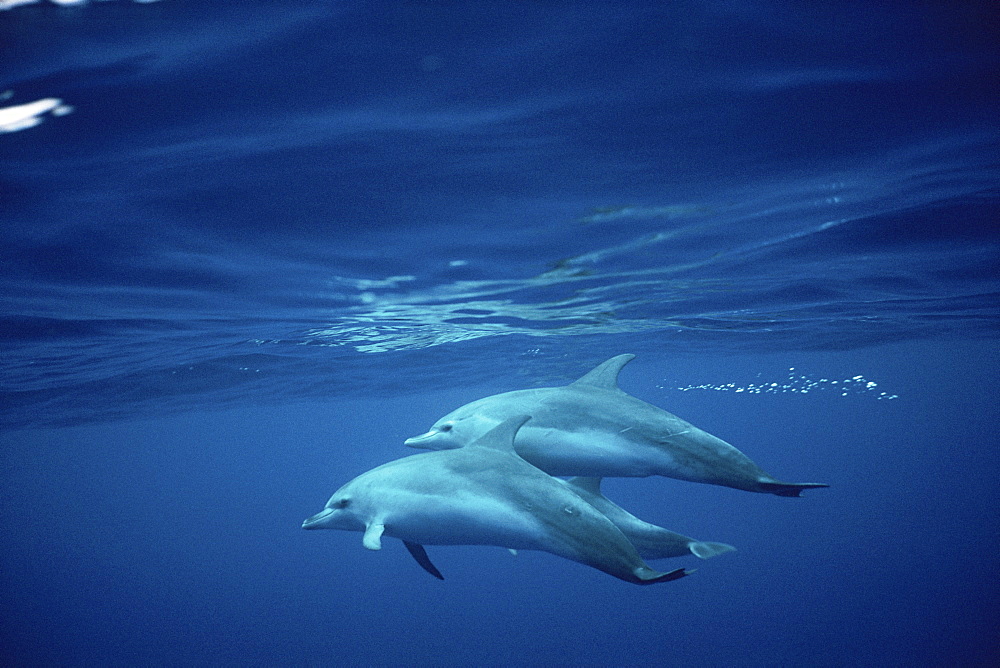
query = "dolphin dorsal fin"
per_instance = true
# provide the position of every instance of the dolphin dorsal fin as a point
(605, 375)
(501, 437)
(587, 484)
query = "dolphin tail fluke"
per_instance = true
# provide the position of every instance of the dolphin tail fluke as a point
(788, 488)
(704, 550)
(645, 575)
(420, 554)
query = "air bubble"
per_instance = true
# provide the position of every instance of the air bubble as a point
(799, 384)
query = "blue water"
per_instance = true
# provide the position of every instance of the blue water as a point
(248, 249)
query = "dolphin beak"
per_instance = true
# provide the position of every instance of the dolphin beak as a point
(418, 441)
(318, 520)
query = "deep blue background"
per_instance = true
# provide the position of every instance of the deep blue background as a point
(178, 541)
(274, 240)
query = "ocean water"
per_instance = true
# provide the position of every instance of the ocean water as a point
(247, 249)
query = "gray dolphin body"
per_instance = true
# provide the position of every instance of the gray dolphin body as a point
(482, 494)
(649, 540)
(592, 428)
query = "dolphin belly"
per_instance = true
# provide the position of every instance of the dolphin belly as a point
(465, 520)
(590, 453)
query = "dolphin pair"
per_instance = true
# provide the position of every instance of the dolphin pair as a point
(592, 428)
(486, 494)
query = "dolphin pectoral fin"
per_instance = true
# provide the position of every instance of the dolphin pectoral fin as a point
(373, 536)
(704, 550)
(647, 575)
(788, 488)
(420, 554)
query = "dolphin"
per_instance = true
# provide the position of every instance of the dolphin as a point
(649, 540)
(482, 494)
(592, 428)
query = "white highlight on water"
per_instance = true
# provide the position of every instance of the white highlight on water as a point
(24, 116)
(11, 4)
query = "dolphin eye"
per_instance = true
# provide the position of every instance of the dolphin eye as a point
(445, 427)
(342, 503)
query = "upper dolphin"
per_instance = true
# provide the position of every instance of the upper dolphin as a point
(483, 494)
(592, 428)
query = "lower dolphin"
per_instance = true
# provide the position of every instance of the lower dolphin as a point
(592, 428)
(483, 494)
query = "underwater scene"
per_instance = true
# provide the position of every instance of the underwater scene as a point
(450, 333)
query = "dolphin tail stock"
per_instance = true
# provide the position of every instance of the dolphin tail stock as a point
(791, 489)
(645, 575)
(706, 550)
(420, 554)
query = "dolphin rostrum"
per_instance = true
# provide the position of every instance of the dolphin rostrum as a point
(482, 494)
(592, 428)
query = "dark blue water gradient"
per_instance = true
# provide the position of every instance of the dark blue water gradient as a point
(176, 540)
(273, 240)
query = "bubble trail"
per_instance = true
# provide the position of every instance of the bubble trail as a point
(799, 384)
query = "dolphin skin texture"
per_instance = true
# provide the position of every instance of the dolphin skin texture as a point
(592, 428)
(482, 494)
